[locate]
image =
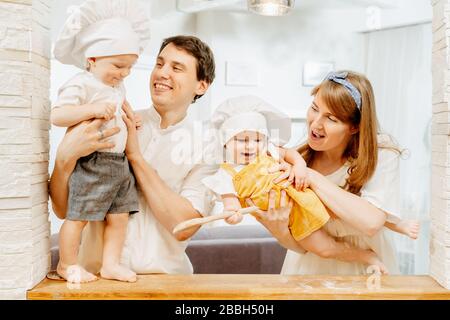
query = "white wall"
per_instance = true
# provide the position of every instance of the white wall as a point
(279, 47)
(399, 67)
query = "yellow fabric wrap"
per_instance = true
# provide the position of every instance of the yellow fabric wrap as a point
(308, 213)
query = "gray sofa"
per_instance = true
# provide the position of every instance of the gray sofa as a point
(241, 249)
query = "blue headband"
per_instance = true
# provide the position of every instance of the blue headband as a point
(340, 77)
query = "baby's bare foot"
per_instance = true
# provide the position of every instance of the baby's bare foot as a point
(118, 272)
(409, 228)
(373, 260)
(75, 273)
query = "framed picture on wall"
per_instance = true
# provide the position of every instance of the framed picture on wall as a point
(315, 71)
(241, 74)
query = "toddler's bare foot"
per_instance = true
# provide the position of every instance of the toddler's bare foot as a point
(75, 273)
(373, 260)
(409, 228)
(118, 272)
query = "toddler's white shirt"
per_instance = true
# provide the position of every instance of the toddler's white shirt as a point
(85, 88)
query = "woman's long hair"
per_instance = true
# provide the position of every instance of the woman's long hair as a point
(362, 149)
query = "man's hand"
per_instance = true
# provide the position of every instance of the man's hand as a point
(85, 138)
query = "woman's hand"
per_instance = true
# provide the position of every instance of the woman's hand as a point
(132, 149)
(85, 138)
(275, 220)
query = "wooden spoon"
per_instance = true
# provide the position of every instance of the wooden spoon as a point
(201, 221)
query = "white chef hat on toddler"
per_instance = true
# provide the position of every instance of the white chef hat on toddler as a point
(100, 28)
(250, 113)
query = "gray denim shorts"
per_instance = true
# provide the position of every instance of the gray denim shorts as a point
(101, 183)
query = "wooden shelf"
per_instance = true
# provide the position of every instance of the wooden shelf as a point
(253, 287)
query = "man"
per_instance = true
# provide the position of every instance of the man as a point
(171, 192)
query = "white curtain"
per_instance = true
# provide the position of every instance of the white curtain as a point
(399, 68)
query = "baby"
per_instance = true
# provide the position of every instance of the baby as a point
(246, 127)
(105, 42)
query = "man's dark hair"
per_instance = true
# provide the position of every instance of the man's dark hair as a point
(200, 51)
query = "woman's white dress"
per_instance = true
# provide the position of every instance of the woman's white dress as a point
(382, 190)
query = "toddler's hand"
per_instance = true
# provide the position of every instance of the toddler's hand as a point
(235, 218)
(104, 110)
(299, 174)
(138, 119)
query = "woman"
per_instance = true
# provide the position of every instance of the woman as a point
(355, 172)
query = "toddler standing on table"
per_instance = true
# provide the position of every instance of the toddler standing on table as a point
(248, 130)
(103, 38)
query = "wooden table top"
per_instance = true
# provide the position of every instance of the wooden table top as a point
(254, 287)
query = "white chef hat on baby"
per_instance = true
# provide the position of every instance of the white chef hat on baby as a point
(99, 28)
(252, 114)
